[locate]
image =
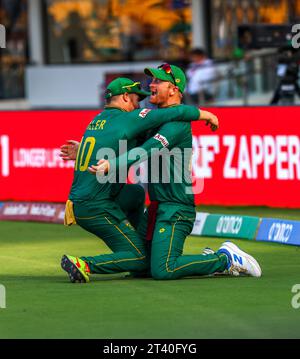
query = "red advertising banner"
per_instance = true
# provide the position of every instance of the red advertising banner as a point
(30, 168)
(254, 159)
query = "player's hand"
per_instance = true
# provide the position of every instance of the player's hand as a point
(213, 122)
(101, 168)
(68, 151)
(210, 118)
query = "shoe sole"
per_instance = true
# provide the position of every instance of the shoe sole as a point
(73, 272)
(233, 247)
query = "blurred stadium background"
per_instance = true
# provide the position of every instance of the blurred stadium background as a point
(59, 57)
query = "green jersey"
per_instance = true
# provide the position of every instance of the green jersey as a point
(174, 180)
(104, 132)
(169, 168)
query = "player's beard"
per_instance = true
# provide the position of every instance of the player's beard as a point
(159, 99)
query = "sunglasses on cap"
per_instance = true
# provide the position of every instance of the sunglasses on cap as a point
(168, 70)
(136, 84)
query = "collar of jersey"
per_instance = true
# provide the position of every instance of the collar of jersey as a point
(114, 108)
(175, 104)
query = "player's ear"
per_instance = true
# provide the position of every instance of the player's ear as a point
(173, 90)
(126, 97)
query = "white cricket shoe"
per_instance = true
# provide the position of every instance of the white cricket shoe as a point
(240, 263)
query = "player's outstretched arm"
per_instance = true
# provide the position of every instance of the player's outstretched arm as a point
(168, 136)
(68, 151)
(145, 119)
(103, 166)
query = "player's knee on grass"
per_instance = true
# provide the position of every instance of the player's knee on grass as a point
(161, 274)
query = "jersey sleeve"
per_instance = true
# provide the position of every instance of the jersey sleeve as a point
(145, 119)
(168, 136)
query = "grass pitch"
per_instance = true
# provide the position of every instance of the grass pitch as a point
(41, 303)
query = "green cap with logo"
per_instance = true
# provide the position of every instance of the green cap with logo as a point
(121, 85)
(170, 73)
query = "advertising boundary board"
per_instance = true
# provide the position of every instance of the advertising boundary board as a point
(273, 230)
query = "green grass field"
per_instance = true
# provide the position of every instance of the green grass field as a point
(41, 303)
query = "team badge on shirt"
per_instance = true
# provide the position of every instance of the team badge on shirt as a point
(144, 112)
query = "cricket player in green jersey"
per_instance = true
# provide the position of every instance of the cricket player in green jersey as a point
(93, 205)
(172, 209)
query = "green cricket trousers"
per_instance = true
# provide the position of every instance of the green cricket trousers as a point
(173, 223)
(117, 231)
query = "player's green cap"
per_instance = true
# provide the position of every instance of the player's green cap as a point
(170, 73)
(121, 85)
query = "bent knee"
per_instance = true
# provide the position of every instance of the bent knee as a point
(159, 274)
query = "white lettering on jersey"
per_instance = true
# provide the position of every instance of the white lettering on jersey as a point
(161, 139)
(144, 112)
